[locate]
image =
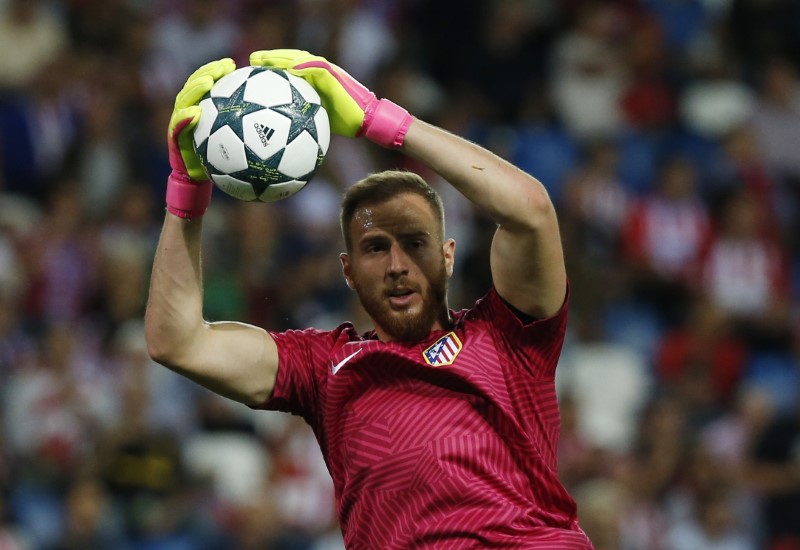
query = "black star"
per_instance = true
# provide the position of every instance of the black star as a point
(232, 109)
(261, 173)
(301, 113)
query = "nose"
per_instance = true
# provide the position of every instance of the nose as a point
(398, 261)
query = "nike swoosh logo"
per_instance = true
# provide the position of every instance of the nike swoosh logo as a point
(341, 363)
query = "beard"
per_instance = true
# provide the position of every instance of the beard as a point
(406, 326)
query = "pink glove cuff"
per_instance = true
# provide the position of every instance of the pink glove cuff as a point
(386, 123)
(187, 198)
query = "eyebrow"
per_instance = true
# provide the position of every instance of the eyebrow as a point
(414, 233)
(382, 236)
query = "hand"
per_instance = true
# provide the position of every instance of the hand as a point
(188, 186)
(353, 110)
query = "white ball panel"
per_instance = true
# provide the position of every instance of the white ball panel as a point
(300, 156)
(234, 187)
(306, 89)
(268, 88)
(281, 190)
(323, 130)
(266, 132)
(208, 113)
(226, 151)
(229, 83)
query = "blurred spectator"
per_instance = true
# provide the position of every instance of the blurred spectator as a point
(740, 167)
(39, 129)
(702, 360)
(53, 408)
(199, 32)
(745, 274)
(164, 400)
(59, 258)
(665, 234)
(94, 25)
(600, 501)
(579, 461)
(588, 75)
(703, 505)
(729, 439)
(354, 32)
(774, 471)
(103, 165)
(301, 484)
(713, 525)
(36, 36)
(650, 472)
(609, 383)
(594, 210)
(89, 521)
(716, 101)
(776, 120)
(17, 346)
(268, 26)
(648, 101)
(506, 59)
(544, 147)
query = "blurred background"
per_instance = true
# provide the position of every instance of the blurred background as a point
(667, 133)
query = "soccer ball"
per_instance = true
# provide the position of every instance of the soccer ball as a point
(262, 133)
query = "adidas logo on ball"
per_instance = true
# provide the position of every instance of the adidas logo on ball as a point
(264, 133)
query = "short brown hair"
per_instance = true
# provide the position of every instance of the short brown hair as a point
(382, 186)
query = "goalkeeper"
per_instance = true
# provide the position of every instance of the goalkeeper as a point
(439, 427)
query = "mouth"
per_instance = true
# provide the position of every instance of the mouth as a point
(400, 297)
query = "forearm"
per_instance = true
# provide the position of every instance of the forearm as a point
(526, 257)
(512, 197)
(174, 315)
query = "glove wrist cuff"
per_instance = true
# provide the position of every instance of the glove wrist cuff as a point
(187, 198)
(386, 124)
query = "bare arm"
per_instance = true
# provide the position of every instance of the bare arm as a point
(236, 360)
(527, 259)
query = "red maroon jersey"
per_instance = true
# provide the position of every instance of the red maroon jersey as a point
(449, 443)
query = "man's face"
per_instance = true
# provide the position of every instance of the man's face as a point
(399, 267)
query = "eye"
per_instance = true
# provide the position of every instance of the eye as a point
(374, 247)
(415, 243)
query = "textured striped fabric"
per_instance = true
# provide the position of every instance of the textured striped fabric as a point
(450, 443)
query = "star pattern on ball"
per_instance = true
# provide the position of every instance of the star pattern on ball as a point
(301, 113)
(261, 173)
(232, 109)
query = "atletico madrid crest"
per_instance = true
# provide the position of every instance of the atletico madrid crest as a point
(443, 351)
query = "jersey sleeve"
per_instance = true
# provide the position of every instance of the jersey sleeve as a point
(302, 360)
(534, 346)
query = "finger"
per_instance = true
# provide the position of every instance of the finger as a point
(215, 69)
(194, 91)
(281, 58)
(186, 118)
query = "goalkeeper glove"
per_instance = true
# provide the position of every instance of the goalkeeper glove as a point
(353, 110)
(188, 186)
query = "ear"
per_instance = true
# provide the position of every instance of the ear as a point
(346, 270)
(449, 250)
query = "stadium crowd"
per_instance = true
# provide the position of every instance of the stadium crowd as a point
(667, 133)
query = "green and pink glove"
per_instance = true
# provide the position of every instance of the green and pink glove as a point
(353, 110)
(188, 186)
